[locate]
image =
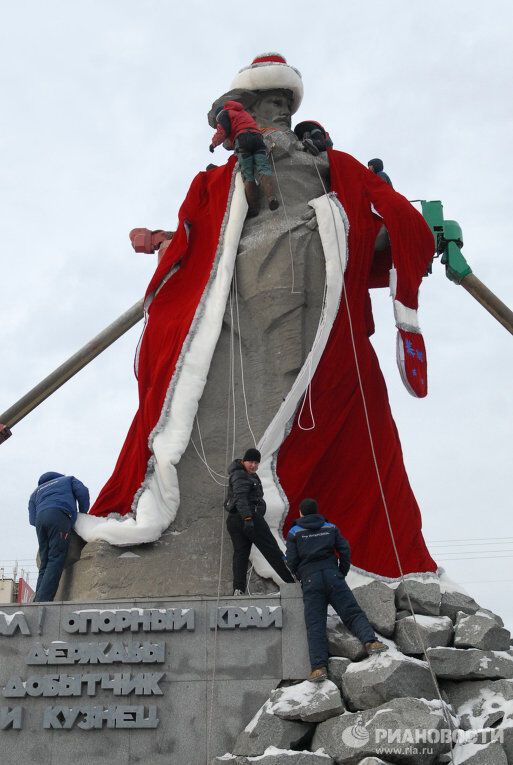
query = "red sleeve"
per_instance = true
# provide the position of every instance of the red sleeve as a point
(412, 245)
(178, 245)
(411, 241)
(219, 136)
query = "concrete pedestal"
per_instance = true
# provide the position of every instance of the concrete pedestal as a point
(142, 680)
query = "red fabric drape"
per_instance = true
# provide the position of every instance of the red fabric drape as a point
(332, 463)
(169, 319)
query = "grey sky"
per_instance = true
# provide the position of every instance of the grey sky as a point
(102, 128)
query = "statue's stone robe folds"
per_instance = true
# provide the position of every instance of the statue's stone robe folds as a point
(273, 293)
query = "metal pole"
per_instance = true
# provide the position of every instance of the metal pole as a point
(488, 300)
(74, 364)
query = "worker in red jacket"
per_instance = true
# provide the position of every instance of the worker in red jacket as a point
(237, 129)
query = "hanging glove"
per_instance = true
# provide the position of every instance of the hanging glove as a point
(410, 348)
(412, 362)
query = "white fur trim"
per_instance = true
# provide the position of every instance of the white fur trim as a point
(393, 281)
(159, 497)
(333, 227)
(406, 318)
(269, 75)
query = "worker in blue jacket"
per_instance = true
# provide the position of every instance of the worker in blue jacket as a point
(319, 556)
(376, 166)
(53, 511)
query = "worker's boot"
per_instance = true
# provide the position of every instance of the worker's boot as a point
(267, 183)
(252, 198)
(318, 674)
(375, 646)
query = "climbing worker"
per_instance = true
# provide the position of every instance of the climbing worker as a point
(246, 523)
(313, 136)
(376, 167)
(237, 129)
(312, 548)
(53, 511)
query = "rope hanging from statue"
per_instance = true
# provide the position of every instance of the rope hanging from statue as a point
(230, 408)
(445, 711)
(214, 474)
(307, 398)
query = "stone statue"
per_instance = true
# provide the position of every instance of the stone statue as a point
(267, 357)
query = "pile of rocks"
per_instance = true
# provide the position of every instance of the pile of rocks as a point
(385, 708)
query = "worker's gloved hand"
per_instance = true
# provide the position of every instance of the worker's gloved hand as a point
(249, 526)
(211, 148)
(310, 147)
(310, 219)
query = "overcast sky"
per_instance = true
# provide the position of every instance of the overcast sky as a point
(102, 128)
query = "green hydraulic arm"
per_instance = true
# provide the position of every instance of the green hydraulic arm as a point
(448, 243)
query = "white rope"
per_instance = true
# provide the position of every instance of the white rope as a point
(380, 484)
(231, 394)
(292, 289)
(308, 392)
(240, 358)
(232, 373)
(212, 473)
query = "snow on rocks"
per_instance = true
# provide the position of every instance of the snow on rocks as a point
(470, 663)
(470, 753)
(434, 631)
(490, 615)
(349, 738)
(337, 666)
(480, 703)
(453, 602)
(275, 756)
(391, 695)
(341, 642)
(424, 594)
(386, 676)
(378, 602)
(480, 631)
(265, 730)
(309, 702)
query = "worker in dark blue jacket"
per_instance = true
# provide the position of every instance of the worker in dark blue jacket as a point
(376, 166)
(53, 511)
(319, 556)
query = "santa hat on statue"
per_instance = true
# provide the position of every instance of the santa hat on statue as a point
(270, 71)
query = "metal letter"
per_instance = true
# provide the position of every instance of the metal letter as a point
(11, 717)
(11, 623)
(14, 688)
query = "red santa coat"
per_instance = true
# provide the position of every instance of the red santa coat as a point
(333, 462)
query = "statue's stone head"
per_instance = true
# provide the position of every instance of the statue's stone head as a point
(269, 88)
(273, 108)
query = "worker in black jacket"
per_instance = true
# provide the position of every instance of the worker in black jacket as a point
(246, 523)
(319, 556)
